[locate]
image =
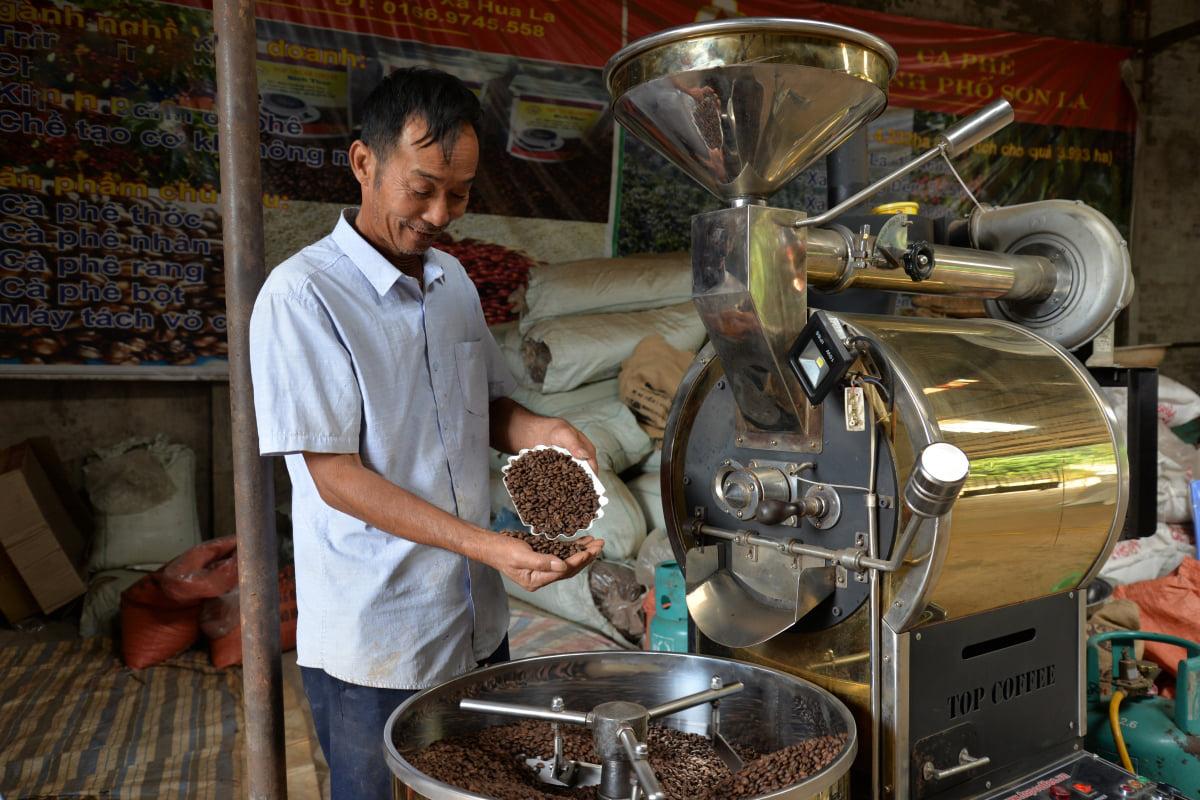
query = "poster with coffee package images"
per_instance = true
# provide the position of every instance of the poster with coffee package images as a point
(110, 234)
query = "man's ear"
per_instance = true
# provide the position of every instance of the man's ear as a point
(363, 163)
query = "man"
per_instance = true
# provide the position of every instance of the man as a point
(375, 374)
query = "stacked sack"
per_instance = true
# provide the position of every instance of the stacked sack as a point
(165, 612)
(143, 497)
(1158, 554)
(580, 322)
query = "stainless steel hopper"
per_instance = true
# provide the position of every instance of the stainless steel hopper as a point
(743, 105)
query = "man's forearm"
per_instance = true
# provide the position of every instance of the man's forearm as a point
(514, 427)
(347, 485)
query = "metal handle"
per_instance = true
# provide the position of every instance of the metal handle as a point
(966, 763)
(528, 712)
(637, 752)
(952, 141)
(699, 698)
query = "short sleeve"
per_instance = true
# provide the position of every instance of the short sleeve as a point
(306, 395)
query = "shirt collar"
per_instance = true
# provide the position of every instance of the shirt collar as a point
(381, 273)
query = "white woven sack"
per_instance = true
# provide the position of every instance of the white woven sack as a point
(572, 600)
(591, 348)
(558, 403)
(604, 285)
(647, 490)
(1150, 557)
(144, 496)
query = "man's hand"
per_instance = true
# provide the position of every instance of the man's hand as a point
(532, 570)
(565, 435)
(515, 428)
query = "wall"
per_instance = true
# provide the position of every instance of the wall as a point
(80, 415)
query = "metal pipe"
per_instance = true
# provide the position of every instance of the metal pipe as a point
(258, 554)
(957, 271)
(699, 698)
(637, 753)
(956, 139)
(874, 636)
(527, 712)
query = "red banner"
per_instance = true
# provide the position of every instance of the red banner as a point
(554, 30)
(955, 68)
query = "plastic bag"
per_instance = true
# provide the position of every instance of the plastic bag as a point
(223, 613)
(618, 595)
(655, 550)
(1168, 605)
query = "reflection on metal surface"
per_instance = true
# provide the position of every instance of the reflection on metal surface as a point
(743, 105)
(748, 285)
(1045, 492)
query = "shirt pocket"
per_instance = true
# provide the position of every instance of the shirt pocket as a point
(472, 376)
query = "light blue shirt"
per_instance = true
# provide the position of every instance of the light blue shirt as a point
(348, 355)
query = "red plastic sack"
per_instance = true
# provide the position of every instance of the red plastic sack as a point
(225, 651)
(207, 570)
(153, 626)
(1168, 605)
(220, 615)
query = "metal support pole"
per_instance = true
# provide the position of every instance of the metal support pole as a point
(258, 560)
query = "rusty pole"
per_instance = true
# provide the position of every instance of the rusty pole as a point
(258, 563)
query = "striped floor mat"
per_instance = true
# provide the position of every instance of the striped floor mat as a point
(75, 722)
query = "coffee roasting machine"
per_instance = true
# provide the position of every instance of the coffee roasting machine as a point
(901, 512)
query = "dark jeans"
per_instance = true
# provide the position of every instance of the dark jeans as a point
(349, 720)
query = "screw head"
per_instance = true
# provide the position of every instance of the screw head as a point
(1071, 595)
(686, 480)
(987, 785)
(1071, 725)
(738, 440)
(837, 612)
(774, 443)
(739, 515)
(720, 384)
(918, 637)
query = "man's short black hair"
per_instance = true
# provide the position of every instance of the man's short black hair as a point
(443, 101)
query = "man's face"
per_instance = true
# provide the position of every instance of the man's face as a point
(412, 193)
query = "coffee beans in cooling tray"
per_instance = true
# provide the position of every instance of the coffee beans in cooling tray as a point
(493, 763)
(553, 494)
(560, 548)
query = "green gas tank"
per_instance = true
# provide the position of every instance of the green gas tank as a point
(1161, 736)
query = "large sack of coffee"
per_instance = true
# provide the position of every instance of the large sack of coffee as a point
(566, 352)
(143, 492)
(221, 622)
(572, 600)
(605, 285)
(153, 626)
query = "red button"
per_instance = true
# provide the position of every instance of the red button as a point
(1084, 789)
(1060, 792)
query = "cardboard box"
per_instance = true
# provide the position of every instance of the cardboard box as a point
(42, 547)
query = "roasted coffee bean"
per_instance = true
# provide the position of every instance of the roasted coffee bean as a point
(553, 494)
(561, 548)
(494, 763)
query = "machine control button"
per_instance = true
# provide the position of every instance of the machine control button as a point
(1060, 792)
(1085, 790)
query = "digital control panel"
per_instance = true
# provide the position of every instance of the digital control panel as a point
(1085, 777)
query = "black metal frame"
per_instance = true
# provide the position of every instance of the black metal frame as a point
(1141, 423)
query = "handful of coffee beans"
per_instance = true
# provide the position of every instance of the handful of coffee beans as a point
(560, 548)
(553, 494)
